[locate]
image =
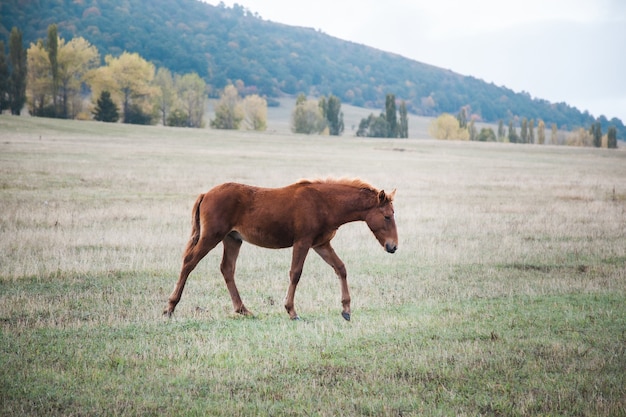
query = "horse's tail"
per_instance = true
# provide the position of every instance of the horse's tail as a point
(195, 223)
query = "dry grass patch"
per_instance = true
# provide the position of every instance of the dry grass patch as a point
(506, 297)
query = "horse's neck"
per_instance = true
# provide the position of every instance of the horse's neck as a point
(353, 206)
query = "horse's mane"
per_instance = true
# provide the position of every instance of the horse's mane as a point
(350, 182)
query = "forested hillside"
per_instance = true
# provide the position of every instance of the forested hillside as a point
(226, 44)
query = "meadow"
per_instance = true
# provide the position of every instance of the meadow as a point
(507, 295)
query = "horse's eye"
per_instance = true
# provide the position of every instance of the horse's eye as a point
(387, 218)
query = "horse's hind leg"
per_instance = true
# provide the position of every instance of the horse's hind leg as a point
(193, 254)
(232, 244)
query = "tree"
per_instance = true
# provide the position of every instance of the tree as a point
(39, 88)
(105, 110)
(53, 54)
(4, 79)
(471, 129)
(129, 80)
(580, 137)
(501, 131)
(255, 112)
(462, 118)
(486, 135)
(307, 117)
(228, 110)
(374, 127)
(541, 132)
(524, 131)
(390, 116)
(612, 138)
(192, 94)
(447, 126)
(596, 133)
(386, 125)
(331, 111)
(403, 129)
(177, 118)
(74, 61)
(165, 96)
(513, 138)
(531, 131)
(553, 132)
(17, 86)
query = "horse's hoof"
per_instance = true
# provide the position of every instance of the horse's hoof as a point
(296, 318)
(345, 315)
(167, 314)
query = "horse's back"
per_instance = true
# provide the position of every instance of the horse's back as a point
(262, 216)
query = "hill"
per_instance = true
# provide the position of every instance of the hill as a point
(223, 44)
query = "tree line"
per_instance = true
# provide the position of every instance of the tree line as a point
(55, 77)
(389, 124)
(450, 127)
(222, 44)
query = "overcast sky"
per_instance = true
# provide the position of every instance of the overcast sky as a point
(571, 51)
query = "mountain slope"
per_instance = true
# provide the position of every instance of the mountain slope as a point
(223, 44)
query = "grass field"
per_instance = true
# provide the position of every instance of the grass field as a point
(507, 296)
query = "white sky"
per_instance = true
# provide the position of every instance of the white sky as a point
(571, 51)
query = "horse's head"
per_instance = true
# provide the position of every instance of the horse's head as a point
(380, 219)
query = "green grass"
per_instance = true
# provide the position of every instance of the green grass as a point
(507, 295)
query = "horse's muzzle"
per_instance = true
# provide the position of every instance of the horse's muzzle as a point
(391, 247)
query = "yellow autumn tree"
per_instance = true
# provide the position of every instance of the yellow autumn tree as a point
(38, 80)
(255, 112)
(229, 111)
(192, 97)
(74, 61)
(447, 127)
(129, 80)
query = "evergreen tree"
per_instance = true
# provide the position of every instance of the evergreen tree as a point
(501, 131)
(462, 118)
(331, 111)
(524, 132)
(531, 131)
(513, 138)
(390, 116)
(4, 79)
(106, 110)
(471, 129)
(403, 130)
(53, 54)
(612, 138)
(17, 86)
(486, 135)
(596, 132)
(374, 127)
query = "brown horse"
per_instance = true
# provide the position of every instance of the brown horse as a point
(304, 215)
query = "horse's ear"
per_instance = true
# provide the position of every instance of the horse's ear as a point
(384, 198)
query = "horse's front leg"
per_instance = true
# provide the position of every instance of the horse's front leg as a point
(328, 254)
(298, 256)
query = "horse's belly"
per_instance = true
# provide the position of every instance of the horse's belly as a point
(272, 239)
